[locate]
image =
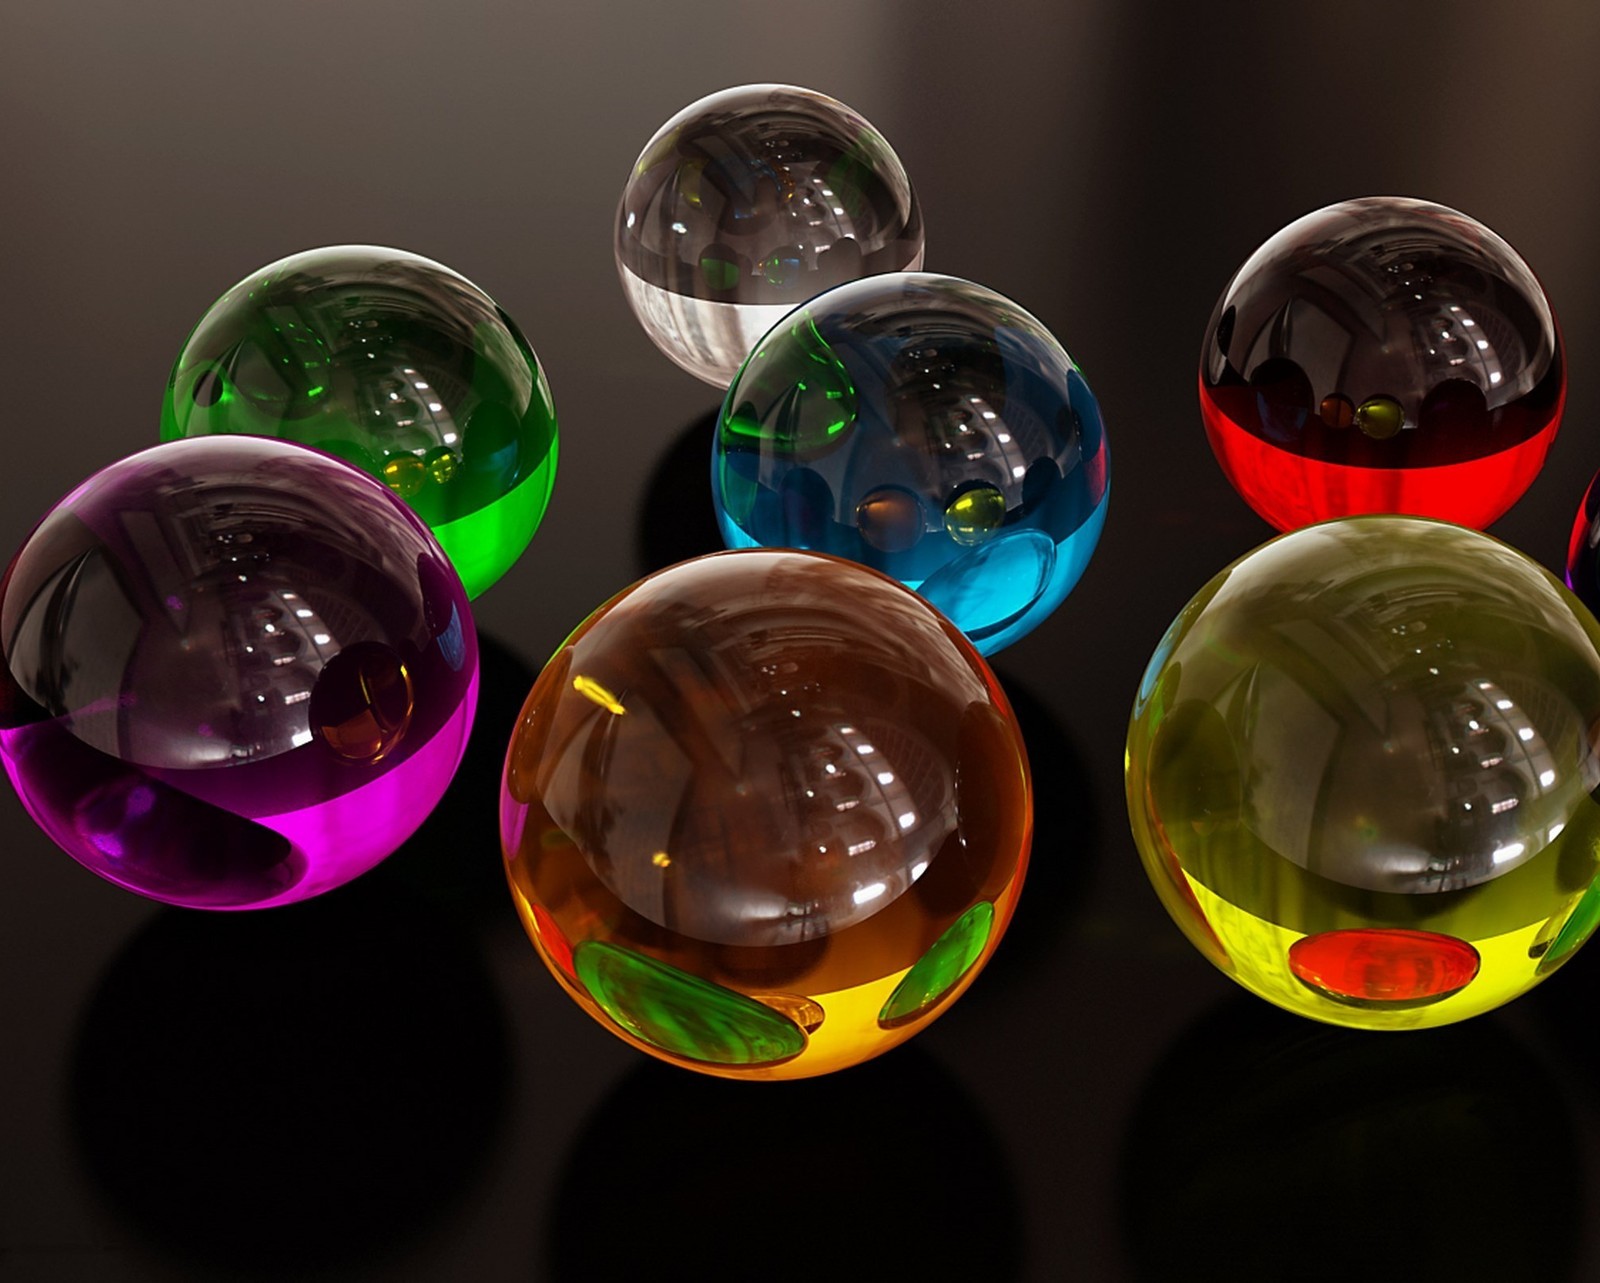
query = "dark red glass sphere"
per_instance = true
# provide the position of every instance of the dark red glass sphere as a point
(1382, 355)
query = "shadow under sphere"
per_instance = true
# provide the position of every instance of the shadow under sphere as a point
(312, 1086)
(453, 861)
(1265, 1147)
(1066, 836)
(886, 1171)
(676, 520)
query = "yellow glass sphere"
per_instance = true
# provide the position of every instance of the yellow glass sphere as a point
(1361, 768)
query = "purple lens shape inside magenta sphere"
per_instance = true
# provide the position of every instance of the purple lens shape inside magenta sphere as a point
(237, 673)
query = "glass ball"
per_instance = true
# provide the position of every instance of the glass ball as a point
(1583, 548)
(1362, 768)
(765, 814)
(926, 427)
(1382, 355)
(396, 364)
(748, 202)
(237, 673)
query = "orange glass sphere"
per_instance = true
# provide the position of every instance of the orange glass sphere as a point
(766, 814)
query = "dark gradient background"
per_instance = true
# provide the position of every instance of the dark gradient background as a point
(385, 1084)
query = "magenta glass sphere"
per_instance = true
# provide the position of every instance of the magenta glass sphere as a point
(236, 673)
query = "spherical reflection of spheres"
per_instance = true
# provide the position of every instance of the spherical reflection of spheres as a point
(396, 364)
(926, 427)
(1382, 355)
(748, 202)
(237, 673)
(765, 814)
(1361, 772)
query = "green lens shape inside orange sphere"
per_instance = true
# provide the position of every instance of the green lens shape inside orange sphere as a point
(766, 814)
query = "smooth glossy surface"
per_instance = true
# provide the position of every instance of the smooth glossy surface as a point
(765, 814)
(396, 364)
(748, 202)
(1384, 966)
(237, 673)
(1382, 355)
(1583, 548)
(929, 428)
(1361, 771)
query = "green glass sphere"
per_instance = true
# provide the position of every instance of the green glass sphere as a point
(396, 364)
(1362, 772)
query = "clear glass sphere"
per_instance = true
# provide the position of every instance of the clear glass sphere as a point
(750, 201)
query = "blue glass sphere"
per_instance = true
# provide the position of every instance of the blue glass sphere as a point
(929, 428)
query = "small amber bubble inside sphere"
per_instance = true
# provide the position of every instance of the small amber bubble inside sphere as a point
(1336, 411)
(1361, 772)
(766, 814)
